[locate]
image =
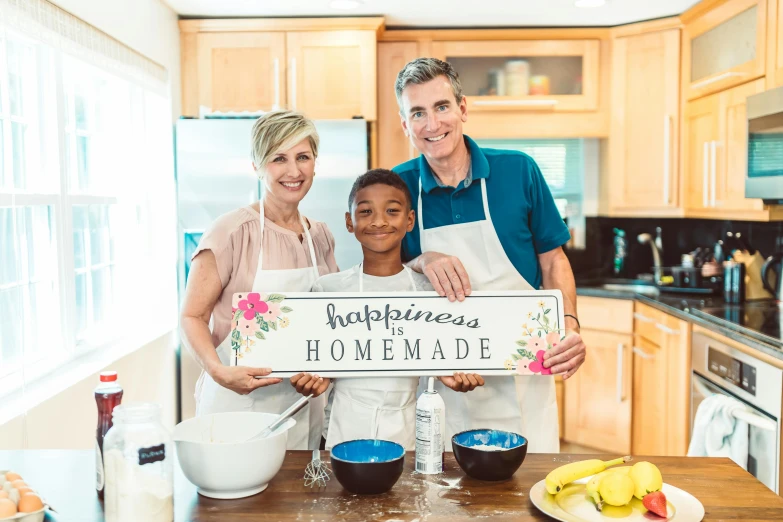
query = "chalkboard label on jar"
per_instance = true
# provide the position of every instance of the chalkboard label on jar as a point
(152, 454)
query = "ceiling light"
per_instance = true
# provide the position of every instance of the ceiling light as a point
(345, 4)
(589, 3)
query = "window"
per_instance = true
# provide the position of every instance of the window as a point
(564, 163)
(86, 203)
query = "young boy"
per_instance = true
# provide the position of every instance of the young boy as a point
(379, 407)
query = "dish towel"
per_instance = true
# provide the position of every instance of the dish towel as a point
(718, 433)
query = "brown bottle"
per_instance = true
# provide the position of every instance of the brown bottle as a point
(108, 394)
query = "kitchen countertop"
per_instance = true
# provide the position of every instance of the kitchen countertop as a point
(66, 479)
(711, 312)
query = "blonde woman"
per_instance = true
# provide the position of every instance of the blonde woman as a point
(267, 246)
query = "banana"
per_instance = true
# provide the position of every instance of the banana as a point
(594, 484)
(561, 476)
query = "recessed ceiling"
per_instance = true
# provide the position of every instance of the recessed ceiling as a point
(447, 13)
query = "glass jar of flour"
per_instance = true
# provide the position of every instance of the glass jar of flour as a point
(138, 458)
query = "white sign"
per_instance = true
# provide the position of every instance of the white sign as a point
(404, 334)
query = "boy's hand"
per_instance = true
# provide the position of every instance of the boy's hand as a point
(463, 382)
(307, 384)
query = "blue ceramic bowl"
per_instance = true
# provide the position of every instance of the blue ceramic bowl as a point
(484, 464)
(367, 466)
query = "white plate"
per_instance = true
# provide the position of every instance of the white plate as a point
(573, 505)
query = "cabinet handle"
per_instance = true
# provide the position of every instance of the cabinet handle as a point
(518, 103)
(641, 353)
(667, 130)
(666, 329)
(643, 318)
(714, 168)
(293, 83)
(705, 169)
(704, 83)
(620, 371)
(276, 66)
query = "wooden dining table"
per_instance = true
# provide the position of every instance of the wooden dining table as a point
(66, 479)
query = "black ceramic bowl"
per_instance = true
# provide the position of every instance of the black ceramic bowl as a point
(486, 464)
(367, 466)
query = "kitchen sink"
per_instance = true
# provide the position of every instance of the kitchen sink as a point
(632, 288)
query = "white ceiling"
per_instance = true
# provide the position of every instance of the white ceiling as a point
(448, 13)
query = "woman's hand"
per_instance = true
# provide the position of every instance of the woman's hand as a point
(446, 274)
(463, 382)
(243, 379)
(307, 384)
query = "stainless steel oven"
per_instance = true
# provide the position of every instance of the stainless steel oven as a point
(764, 178)
(721, 369)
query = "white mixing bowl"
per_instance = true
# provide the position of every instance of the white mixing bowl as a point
(221, 467)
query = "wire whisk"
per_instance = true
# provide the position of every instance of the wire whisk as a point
(317, 472)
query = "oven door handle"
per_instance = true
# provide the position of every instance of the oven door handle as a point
(753, 419)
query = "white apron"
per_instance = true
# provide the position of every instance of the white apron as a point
(374, 407)
(214, 398)
(523, 404)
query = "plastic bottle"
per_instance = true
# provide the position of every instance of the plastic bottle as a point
(108, 394)
(430, 431)
(620, 251)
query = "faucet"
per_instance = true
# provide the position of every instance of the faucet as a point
(657, 250)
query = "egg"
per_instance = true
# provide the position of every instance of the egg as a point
(3, 493)
(30, 502)
(11, 476)
(23, 490)
(7, 508)
(18, 483)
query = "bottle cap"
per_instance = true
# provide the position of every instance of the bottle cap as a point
(108, 376)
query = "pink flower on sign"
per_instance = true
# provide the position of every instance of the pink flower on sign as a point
(537, 366)
(251, 305)
(247, 327)
(553, 338)
(536, 343)
(272, 312)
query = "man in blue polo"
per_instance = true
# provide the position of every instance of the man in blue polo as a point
(485, 220)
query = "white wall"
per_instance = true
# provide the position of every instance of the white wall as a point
(147, 26)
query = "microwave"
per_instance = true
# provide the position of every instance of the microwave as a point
(765, 147)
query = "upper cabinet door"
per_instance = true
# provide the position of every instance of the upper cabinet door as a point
(700, 152)
(237, 72)
(332, 75)
(645, 122)
(544, 75)
(725, 47)
(396, 148)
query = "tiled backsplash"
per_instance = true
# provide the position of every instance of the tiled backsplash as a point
(679, 236)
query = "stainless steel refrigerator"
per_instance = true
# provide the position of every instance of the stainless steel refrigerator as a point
(215, 176)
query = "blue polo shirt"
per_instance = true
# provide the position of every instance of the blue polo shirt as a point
(521, 206)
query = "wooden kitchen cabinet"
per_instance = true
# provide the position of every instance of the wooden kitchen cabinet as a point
(526, 75)
(332, 74)
(661, 383)
(325, 68)
(598, 398)
(775, 43)
(644, 137)
(235, 71)
(715, 158)
(724, 47)
(397, 148)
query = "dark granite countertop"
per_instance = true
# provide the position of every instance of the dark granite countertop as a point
(755, 324)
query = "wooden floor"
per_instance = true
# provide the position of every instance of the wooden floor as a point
(569, 447)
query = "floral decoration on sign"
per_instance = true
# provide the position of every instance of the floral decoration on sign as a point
(540, 334)
(254, 316)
